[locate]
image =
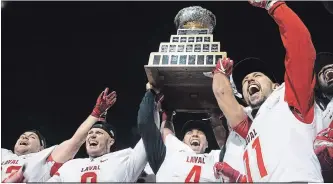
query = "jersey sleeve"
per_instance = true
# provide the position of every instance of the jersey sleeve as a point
(52, 165)
(5, 153)
(39, 167)
(137, 162)
(150, 134)
(243, 127)
(58, 175)
(299, 62)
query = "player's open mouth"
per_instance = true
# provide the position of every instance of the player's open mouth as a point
(328, 74)
(24, 143)
(253, 89)
(93, 143)
(195, 142)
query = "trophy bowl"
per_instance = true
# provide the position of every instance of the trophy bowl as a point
(178, 67)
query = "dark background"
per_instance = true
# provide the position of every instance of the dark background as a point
(58, 56)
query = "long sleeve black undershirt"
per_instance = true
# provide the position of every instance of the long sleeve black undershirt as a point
(151, 135)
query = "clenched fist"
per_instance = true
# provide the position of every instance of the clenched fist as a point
(151, 87)
(229, 174)
(159, 96)
(104, 102)
(323, 146)
(224, 66)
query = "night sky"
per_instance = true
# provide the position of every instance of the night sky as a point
(58, 56)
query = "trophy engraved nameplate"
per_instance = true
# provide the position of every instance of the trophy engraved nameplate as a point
(178, 66)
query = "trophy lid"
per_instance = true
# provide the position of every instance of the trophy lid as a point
(195, 17)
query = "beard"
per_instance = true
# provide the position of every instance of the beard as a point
(258, 103)
(327, 89)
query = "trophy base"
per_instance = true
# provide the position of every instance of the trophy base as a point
(186, 88)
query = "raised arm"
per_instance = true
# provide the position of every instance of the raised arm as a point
(150, 134)
(224, 94)
(299, 60)
(167, 124)
(68, 149)
(137, 162)
(219, 130)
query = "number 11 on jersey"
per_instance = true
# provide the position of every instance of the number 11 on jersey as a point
(260, 162)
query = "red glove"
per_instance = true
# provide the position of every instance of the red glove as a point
(229, 174)
(323, 146)
(164, 116)
(104, 102)
(224, 66)
(264, 3)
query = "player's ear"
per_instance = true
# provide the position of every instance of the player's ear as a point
(275, 85)
(206, 146)
(41, 148)
(110, 142)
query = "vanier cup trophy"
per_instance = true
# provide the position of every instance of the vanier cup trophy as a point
(179, 67)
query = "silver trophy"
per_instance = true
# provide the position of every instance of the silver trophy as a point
(180, 66)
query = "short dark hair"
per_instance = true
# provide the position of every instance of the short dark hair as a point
(41, 138)
(196, 124)
(322, 59)
(247, 66)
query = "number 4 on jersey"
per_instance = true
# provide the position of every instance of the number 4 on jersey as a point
(196, 172)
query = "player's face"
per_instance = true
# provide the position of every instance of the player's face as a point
(256, 88)
(98, 142)
(197, 140)
(325, 79)
(27, 143)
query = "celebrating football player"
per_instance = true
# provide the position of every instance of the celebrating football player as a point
(324, 92)
(279, 139)
(40, 163)
(103, 165)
